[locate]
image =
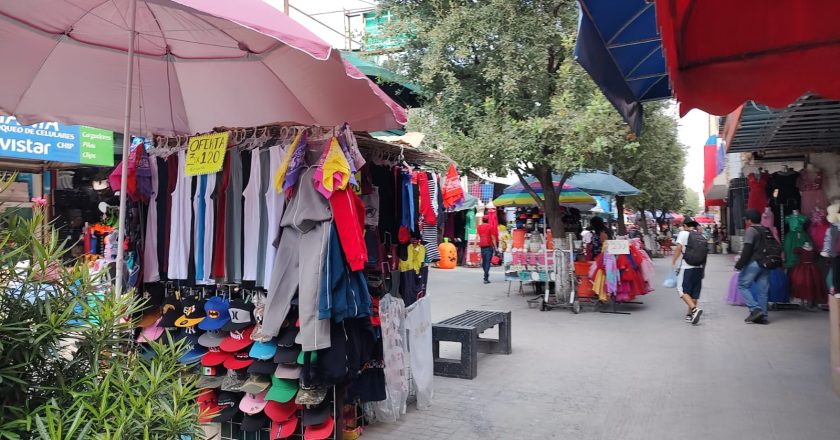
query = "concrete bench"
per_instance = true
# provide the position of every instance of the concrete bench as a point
(465, 329)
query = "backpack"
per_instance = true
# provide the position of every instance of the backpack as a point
(768, 252)
(696, 250)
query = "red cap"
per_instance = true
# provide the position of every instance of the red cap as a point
(214, 358)
(238, 361)
(237, 340)
(284, 429)
(208, 406)
(280, 412)
(321, 431)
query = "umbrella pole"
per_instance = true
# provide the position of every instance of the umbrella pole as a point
(132, 19)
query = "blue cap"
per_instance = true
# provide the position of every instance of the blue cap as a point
(216, 314)
(263, 350)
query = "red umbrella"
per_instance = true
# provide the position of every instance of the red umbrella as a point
(721, 53)
(704, 219)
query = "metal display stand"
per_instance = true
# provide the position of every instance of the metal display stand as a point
(565, 284)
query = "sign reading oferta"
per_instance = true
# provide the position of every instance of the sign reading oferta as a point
(54, 142)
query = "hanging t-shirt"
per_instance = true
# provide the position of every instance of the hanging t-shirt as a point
(151, 270)
(275, 203)
(262, 242)
(251, 220)
(233, 220)
(181, 219)
(209, 222)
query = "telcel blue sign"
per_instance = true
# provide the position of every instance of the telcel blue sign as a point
(51, 141)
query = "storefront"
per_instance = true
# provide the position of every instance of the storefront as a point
(790, 161)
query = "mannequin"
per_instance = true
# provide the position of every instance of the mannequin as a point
(758, 190)
(806, 280)
(795, 237)
(810, 185)
(784, 192)
(768, 222)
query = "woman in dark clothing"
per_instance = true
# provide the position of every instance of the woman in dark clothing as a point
(600, 234)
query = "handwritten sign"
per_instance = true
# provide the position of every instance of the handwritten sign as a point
(618, 247)
(206, 154)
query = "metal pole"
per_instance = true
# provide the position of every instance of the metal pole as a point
(286, 7)
(132, 19)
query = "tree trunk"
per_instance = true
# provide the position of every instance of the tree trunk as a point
(645, 228)
(551, 202)
(619, 209)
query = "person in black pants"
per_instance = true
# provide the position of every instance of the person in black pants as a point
(487, 238)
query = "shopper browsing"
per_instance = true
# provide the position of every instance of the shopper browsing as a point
(689, 261)
(761, 253)
(487, 243)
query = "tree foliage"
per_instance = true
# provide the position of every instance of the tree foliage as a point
(66, 370)
(505, 93)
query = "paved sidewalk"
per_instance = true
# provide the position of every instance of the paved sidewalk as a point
(647, 376)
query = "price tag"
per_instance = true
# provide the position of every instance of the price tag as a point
(206, 154)
(618, 247)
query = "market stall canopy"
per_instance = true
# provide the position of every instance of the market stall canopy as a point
(399, 89)
(619, 46)
(722, 53)
(704, 219)
(602, 183)
(198, 64)
(517, 195)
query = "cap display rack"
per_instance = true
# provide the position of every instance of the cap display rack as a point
(232, 430)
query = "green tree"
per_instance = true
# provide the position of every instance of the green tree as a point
(657, 166)
(67, 370)
(504, 91)
(691, 202)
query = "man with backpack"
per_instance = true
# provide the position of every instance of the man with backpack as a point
(761, 254)
(689, 261)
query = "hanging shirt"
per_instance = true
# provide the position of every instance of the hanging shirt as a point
(275, 203)
(151, 270)
(222, 183)
(333, 171)
(265, 186)
(181, 219)
(199, 210)
(233, 220)
(209, 224)
(251, 220)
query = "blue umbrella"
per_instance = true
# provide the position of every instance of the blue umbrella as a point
(600, 183)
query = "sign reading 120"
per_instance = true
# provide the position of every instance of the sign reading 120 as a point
(206, 154)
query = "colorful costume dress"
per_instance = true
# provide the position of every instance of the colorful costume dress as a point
(794, 238)
(806, 280)
(758, 191)
(810, 187)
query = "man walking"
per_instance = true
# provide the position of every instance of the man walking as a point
(755, 246)
(689, 261)
(487, 242)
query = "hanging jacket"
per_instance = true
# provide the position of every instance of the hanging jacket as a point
(349, 213)
(343, 292)
(427, 212)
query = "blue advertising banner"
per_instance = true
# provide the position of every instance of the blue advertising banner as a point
(54, 142)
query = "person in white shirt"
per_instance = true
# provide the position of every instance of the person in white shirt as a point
(689, 278)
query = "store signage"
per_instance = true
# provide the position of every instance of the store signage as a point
(206, 154)
(54, 142)
(618, 247)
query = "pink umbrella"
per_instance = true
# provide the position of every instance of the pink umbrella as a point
(192, 65)
(704, 219)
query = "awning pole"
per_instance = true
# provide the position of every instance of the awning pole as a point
(132, 19)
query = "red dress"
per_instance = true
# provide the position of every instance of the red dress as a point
(806, 280)
(758, 191)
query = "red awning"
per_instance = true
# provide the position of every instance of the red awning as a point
(721, 53)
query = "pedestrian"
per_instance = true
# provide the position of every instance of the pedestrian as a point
(689, 262)
(758, 240)
(487, 242)
(600, 234)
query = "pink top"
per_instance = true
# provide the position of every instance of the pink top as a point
(809, 181)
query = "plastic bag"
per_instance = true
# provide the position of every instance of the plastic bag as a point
(671, 281)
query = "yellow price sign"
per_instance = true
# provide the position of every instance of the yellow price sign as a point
(206, 154)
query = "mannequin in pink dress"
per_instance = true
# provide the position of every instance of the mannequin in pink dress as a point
(767, 221)
(810, 185)
(818, 226)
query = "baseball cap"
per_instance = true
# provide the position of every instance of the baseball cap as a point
(171, 311)
(241, 315)
(256, 383)
(212, 377)
(151, 297)
(211, 339)
(228, 404)
(216, 314)
(253, 403)
(147, 352)
(254, 423)
(193, 312)
(282, 390)
(258, 335)
(280, 412)
(234, 381)
(284, 428)
(151, 333)
(262, 367)
(150, 318)
(237, 340)
(321, 431)
(238, 361)
(316, 415)
(287, 372)
(287, 336)
(208, 406)
(263, 350)
(311, 396)
(215, 357)
(192, 351)
(287, 355)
